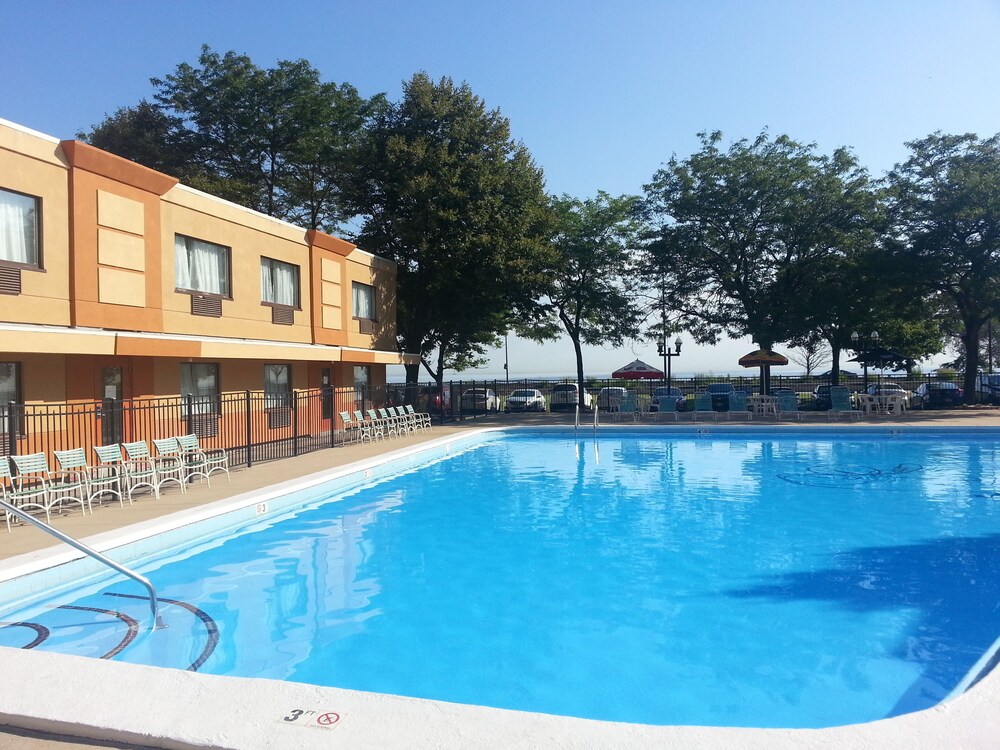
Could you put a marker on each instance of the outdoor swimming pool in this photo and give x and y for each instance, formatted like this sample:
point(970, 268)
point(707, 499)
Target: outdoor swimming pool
point(728, 579)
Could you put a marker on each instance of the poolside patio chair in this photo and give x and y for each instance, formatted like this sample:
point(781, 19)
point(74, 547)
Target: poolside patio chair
point(22, 496)
point(667, 405)
point(98, 480)
point(165, 468)
point(372, 430)
point(628, 408)
point(738, 406)
point(403, 423)
point(60, 487)
point(134, 474)
point(867, 404)
point(840, 403)
point(381, 419)
point(703, 405)
point(422, 418)
point(788, 404)
point(215, 459)
point(192, 464)
point(351, 429)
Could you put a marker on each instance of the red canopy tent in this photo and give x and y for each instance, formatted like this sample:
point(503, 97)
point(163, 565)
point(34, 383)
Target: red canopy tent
point(638, 370)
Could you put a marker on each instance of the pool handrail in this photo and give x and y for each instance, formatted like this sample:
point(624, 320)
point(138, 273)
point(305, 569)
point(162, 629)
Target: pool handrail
point(153, 602)
point(596, 420)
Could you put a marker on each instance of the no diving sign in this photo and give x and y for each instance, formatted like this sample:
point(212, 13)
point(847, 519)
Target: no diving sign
point(307, 718)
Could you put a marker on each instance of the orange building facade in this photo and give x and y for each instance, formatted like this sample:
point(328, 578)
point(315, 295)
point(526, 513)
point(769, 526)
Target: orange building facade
point(117, 282)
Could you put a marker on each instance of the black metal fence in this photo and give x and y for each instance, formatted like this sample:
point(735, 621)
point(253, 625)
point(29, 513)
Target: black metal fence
point(256, 426)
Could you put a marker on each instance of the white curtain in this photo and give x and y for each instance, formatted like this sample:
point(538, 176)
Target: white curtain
point(18, 228)
point(364, 301)
point(279, 282)
point(201, 266)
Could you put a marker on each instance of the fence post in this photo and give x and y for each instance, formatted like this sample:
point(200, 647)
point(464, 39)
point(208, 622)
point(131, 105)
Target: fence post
point(295, 423)
point(12, 419)
point(328, 393)
point(189, 400)
point(249, 427)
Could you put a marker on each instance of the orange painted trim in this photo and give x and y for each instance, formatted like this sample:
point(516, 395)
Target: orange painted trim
point(84, 156)
point(143, 347)
point(329, 242)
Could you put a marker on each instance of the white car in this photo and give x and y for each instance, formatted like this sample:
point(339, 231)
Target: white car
point(566, 396)
point(526, 399)
point(480, 400)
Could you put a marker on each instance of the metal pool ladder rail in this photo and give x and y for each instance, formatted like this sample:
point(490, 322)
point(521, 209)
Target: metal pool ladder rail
point(153, 603)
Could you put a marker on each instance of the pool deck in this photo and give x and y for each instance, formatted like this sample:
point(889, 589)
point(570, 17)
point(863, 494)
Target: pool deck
point(88, 703)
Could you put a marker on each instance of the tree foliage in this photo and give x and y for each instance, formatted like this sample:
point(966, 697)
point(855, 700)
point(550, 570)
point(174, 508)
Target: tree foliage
point(738, 235)
point(277, 140)
point(946, 212)
point(588, 295)
point(444, 190)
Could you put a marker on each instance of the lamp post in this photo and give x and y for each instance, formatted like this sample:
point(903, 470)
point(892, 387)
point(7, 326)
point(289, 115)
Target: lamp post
point(668, 354)
point(864, 342)
point(506, 365)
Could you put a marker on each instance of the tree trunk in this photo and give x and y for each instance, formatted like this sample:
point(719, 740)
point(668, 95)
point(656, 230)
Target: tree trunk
point(578, 350)
point(834, 364)
point(412, 373)
point(970, 340)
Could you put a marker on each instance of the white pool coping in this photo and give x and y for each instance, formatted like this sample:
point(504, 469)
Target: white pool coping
point(113, 701)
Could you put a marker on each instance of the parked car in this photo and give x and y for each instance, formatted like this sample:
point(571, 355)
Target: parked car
point(480, 400)
point(662, 394)
point(566, 396)
point(889, 389)
point(821, 400)
point(432, 399)
point(937, 395)
point(720, 395)
point(526, 399)
point(988, 388)
point(611, 397)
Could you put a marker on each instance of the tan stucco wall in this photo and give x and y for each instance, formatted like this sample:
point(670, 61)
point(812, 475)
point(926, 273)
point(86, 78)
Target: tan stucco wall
point(249, 237)
point(34, 165)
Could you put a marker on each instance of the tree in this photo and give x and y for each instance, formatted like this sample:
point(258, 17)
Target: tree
point(740, 233)
point(443, 190)
point(594, 242)
point(148, 135)
point(811, 357)
point(946, 212)
point(276, 140)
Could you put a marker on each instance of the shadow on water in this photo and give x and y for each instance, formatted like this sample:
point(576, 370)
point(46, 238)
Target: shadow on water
point(953, 583)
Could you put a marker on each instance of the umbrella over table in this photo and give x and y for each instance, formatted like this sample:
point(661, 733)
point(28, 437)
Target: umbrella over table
point(765, 359)
point(638, 370)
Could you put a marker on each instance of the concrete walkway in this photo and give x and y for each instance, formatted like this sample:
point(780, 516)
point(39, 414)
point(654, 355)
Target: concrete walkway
point(111, 516)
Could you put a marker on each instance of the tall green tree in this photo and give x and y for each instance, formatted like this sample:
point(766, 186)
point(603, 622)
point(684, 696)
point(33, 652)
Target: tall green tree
point(946, 212)
point(589, 291)
point(443, 189)
point(277, 140)
point(739, 233)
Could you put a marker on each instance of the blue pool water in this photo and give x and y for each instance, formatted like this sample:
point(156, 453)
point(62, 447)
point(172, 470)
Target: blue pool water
point(745, 580)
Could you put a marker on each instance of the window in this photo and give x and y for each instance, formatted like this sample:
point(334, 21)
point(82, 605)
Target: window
point(362, 377)
point(363, 296)
point(279, 283)
point(201, 266)
point(19, 229)
point(200, 380)
point(277, 386)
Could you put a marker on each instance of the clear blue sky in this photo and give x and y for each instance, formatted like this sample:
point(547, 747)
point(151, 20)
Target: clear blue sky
point(601, 93)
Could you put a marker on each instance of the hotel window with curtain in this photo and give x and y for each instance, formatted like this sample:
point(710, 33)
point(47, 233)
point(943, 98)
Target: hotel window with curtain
point(20, 245)
point(201, 267)
point(200, 381)
point(279, 289)
point(363, 305)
